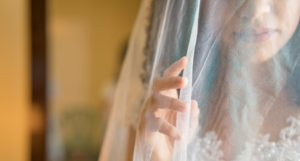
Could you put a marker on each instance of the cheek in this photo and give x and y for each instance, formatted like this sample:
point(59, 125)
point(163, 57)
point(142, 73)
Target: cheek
point(288, 15)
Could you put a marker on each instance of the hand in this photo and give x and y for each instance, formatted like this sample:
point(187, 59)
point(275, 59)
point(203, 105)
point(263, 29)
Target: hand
point(158, 117)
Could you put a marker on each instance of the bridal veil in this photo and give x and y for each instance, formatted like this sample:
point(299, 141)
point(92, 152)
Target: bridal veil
point(242, 73)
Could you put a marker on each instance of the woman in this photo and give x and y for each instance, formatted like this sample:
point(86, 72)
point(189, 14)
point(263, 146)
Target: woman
point(241, 70)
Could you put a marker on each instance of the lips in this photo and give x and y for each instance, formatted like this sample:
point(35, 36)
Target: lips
point(255, 35)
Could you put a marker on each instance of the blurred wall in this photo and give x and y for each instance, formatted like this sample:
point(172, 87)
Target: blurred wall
point(86, 42)
point(87, 36)
point(14, 80)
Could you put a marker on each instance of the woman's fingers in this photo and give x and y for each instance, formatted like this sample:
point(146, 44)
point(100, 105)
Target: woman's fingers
point(171, 131)
point(194, 114)
point(160, 101)
point(176, 68)
point(160, 124)
point(168, 83)
point(168, 129)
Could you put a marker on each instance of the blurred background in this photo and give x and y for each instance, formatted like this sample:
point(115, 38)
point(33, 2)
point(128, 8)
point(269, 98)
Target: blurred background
point(59, 63)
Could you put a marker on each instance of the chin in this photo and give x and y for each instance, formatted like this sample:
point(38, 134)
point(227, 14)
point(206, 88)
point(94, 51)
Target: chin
point(255, 52)
point(263, 53)
point(261, 58)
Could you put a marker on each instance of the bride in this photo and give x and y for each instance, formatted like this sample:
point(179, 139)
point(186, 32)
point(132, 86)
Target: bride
point(240, 69)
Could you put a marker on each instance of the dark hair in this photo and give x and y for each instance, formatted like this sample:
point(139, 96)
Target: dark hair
point(290, 54)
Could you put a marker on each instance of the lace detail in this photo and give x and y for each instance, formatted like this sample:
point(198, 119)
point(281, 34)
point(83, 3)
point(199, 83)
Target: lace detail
point(260, 148)
point(209, 149)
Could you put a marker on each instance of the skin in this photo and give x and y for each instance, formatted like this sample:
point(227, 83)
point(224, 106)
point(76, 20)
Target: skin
point(281, 16)
point(160, 112)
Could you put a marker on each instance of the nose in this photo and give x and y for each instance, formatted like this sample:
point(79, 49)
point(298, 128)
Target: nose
point(254, 10)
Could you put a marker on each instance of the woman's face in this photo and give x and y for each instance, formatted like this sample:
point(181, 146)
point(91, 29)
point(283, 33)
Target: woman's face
point(253, 29)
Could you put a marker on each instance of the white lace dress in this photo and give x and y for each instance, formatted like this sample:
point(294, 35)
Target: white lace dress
point(287, 148)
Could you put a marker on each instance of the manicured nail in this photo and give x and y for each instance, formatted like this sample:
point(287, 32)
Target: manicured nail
point(184, 104)
point(187, 105)
point(180, 137)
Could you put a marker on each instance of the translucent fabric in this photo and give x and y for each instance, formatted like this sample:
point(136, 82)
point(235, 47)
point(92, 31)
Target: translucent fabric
point(209, 80)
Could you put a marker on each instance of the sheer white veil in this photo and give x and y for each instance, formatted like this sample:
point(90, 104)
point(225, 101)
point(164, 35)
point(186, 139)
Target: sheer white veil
point(130, 91)
point(243, 72)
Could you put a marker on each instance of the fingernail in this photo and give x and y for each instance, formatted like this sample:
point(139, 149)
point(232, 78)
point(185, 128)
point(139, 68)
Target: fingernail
point(187, 105)
point(179, 136)
point(184, 80)
point(184, 104)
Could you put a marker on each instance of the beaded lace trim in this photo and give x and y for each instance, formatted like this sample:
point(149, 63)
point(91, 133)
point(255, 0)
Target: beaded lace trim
point(287, 148)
